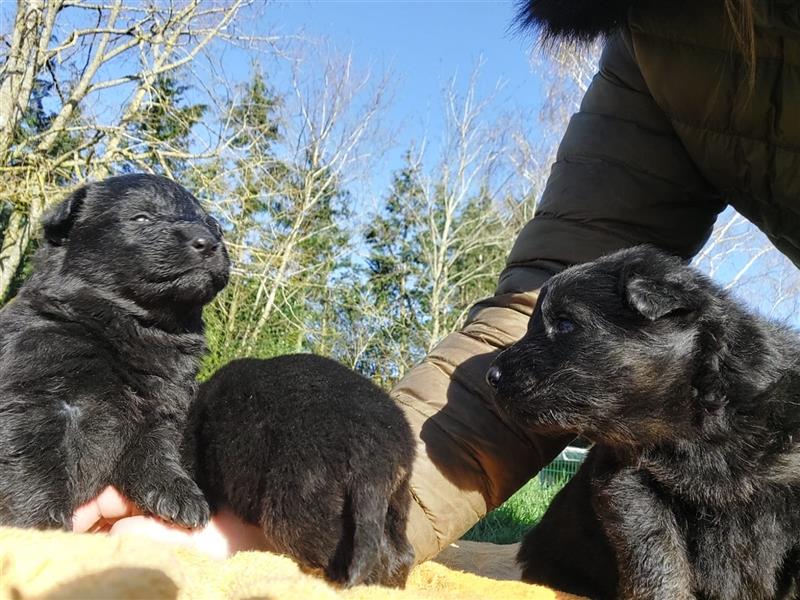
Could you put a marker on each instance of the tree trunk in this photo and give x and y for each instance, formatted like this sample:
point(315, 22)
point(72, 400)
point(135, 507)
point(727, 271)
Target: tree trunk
point(15, 241)
point(19, 72)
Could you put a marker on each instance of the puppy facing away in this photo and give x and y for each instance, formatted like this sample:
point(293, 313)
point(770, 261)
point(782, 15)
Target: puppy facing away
point(99, 353)
point(693, 487)
point(315, 454)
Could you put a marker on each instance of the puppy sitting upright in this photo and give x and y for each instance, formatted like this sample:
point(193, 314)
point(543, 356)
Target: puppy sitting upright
point(694, 406)
point(99, 352)
point(316, 455)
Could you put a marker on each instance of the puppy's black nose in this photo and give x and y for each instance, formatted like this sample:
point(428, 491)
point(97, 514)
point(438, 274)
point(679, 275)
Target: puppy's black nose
point(493, 376)
point(205, 245)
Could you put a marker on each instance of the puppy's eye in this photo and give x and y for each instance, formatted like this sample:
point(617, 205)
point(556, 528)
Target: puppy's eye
point(563, 325)
point(142, 218)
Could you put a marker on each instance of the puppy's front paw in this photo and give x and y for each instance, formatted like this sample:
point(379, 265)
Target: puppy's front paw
point(178, 501)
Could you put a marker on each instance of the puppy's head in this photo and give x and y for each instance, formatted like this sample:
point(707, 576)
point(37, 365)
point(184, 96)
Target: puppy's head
point(143, 236)
point(621, 350)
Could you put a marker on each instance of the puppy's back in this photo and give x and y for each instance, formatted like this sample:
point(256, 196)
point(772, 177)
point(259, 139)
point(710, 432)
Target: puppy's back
point(299, 407)
point(314, 453)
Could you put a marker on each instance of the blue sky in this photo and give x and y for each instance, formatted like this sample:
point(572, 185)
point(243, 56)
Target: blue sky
point(423, 44)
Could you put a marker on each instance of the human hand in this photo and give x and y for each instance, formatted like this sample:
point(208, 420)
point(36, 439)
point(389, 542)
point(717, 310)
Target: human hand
point(100, 514)
point(113, 513)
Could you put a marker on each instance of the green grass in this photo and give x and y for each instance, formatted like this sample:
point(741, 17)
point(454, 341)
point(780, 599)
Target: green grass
point(508, 522)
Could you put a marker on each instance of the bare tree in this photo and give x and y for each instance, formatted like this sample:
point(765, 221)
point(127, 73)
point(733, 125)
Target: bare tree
point(326, 148)
point(288, 185)
point(440, 236)
point(466, 176)
point(744, 261)
point(88, 52)
point(567, 71)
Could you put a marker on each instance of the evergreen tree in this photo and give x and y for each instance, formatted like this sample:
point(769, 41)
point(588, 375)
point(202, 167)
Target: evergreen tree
point(396, 277)
point(430, 259)
point(285, 236)
point(249, 176)
point(163, 126)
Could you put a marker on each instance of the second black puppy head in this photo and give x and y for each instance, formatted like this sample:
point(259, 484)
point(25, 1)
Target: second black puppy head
point(143, 235)
point(626, 349)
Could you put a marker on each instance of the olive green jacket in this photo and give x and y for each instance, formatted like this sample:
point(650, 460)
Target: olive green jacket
point(667, 134)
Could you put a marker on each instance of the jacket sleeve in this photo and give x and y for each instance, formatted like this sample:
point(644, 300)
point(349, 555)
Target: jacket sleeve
point(621, 178)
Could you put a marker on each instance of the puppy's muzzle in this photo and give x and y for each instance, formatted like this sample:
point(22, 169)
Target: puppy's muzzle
point(200, 239)
point(204, 245)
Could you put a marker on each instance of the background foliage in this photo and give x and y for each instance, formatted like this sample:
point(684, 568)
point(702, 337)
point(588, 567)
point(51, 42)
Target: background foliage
point(322, 263)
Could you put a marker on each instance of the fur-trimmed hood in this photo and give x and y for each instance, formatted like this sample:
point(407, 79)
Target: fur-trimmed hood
point(573, 20)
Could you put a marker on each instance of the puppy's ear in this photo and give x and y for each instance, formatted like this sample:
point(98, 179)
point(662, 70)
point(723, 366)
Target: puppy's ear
point(57, 223)
point(657, 298)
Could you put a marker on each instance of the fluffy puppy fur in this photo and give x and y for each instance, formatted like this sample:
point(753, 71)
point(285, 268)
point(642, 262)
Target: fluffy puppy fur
point(693, 487)
point(315, 454)
point(99, 353)
point(580, 21)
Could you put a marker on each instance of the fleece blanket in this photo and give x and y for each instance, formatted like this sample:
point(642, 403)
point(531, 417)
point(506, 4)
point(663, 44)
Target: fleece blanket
point(61, 566)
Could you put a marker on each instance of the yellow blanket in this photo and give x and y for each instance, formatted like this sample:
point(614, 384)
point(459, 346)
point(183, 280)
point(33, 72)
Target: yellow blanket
point(60, 566)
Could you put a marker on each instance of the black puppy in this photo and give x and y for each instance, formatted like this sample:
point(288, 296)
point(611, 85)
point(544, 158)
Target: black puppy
point(315, 454)
point(99, 353)
point(693, 487)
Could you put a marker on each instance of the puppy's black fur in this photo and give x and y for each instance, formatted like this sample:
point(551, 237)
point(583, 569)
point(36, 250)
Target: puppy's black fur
point(580, 21)
point(99, 352)
point(315, 454)
point(693, 487)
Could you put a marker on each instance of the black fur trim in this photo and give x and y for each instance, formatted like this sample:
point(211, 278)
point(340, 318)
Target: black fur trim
point(579, 21)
